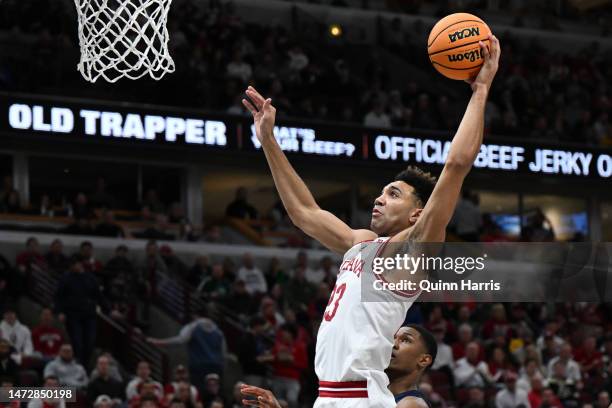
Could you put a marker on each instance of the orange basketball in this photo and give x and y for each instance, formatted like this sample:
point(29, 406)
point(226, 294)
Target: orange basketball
point(453, 45)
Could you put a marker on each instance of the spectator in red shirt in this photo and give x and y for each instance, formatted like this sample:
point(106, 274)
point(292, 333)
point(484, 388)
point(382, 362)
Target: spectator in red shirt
point(541, 396)
point(499, 364)
point(497, 325)
point(290, 358)
point(31, 258)
point(466, 336)
point(589, 358)
point(46, 338)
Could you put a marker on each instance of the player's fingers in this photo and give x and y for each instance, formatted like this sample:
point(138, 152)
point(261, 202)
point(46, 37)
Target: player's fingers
point(267, 104)
point(250, 107)
point(255, 391)
point(257, 98)
point(250, 403)
point(484, 50)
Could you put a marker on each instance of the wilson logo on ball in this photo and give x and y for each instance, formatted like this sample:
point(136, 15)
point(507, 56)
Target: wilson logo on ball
point(466, 56)
point(465, 33)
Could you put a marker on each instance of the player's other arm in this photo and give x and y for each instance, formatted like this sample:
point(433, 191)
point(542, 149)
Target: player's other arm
point(432, 222)
point(297, 199)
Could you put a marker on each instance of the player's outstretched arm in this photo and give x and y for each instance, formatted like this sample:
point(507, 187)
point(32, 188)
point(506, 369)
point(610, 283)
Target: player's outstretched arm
point(297, 199)
point(432, 222)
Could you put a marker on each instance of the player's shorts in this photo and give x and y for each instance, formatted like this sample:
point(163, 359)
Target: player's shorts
point(350, 394)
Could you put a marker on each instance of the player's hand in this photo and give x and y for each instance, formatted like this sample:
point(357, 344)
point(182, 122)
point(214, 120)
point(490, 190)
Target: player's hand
point(264, 398)
point(264, 114)
point(489, 67)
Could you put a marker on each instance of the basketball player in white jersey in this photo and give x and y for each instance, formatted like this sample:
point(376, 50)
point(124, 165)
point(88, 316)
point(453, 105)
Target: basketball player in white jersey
point(354, 341)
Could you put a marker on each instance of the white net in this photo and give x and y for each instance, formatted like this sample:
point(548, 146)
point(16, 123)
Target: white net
point(123, 38)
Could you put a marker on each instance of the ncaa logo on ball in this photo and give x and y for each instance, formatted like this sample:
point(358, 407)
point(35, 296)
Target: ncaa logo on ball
point(465, 33)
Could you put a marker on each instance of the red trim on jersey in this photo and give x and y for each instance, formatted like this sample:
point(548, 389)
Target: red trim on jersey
point(343, 384)
point(344, 394)
point(402, 293)
point(361, 242)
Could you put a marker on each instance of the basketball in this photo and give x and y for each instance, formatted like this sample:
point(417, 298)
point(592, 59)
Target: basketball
point(453, 45)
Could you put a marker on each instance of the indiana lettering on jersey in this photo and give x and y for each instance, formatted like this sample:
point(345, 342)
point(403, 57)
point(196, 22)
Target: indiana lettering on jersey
point(354, 265)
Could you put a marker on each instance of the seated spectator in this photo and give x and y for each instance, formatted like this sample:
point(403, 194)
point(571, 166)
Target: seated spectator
point(327, 270)
point(113, 368)
point(254, 353)
point(120, 279)
point(275, 274)
point(147, 395)
point(212, 389)
point(7, 191)
point(216, 286)
point(511, 396)
point(270, 314)
point(588, 357)
point(240, 207)
point(252, 276)
point(181, 375)
point(176, 214)
point(499, 364)
point(104, 383)
point(438, 321)
point(541, 397)
point(528, 372)
point(200, 270)
point(603, 400)
point(143, 375)
point(176, 268)
point(13, 203)
point(571, 369)
point(183, 394)
point(46, 337)
point(31, 258)
point(470, 371)
point(8, 367)
point(497, 324)
point(79, 226)
point(476, 398)
point(50, 382)
point(562, 383)
point(158, 231)
point(108, 227)
point(444, 358)
point(238, 68)
point(68, 372)
point(81, 208)
point(465, 336)
point(153, 203)
point(17, 334)
point(239, 300)
point(313, 276)
point(104, 401)
point(101, 198)
point(376, 117)
point(55, 258)
point(290, 359)
point(299, 290)
point(87, 258)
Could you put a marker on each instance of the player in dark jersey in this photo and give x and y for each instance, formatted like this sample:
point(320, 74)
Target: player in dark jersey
point(414, 351)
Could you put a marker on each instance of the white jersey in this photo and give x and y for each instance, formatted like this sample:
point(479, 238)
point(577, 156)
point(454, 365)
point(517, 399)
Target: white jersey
point(355, 339)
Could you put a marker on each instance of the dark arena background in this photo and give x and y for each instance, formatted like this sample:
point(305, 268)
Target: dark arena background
point(159, 192)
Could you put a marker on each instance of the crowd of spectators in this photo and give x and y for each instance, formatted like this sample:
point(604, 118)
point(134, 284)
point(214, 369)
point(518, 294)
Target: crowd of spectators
point(538, 93)
point(502, 355)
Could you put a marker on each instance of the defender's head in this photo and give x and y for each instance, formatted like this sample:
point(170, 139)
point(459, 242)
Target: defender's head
point(399, 205)
point(414, 350)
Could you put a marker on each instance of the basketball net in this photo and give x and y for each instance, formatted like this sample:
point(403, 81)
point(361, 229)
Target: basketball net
point(123, 38)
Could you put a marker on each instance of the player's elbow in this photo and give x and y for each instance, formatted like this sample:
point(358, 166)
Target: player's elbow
point(459, 164)
point(299, 216)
